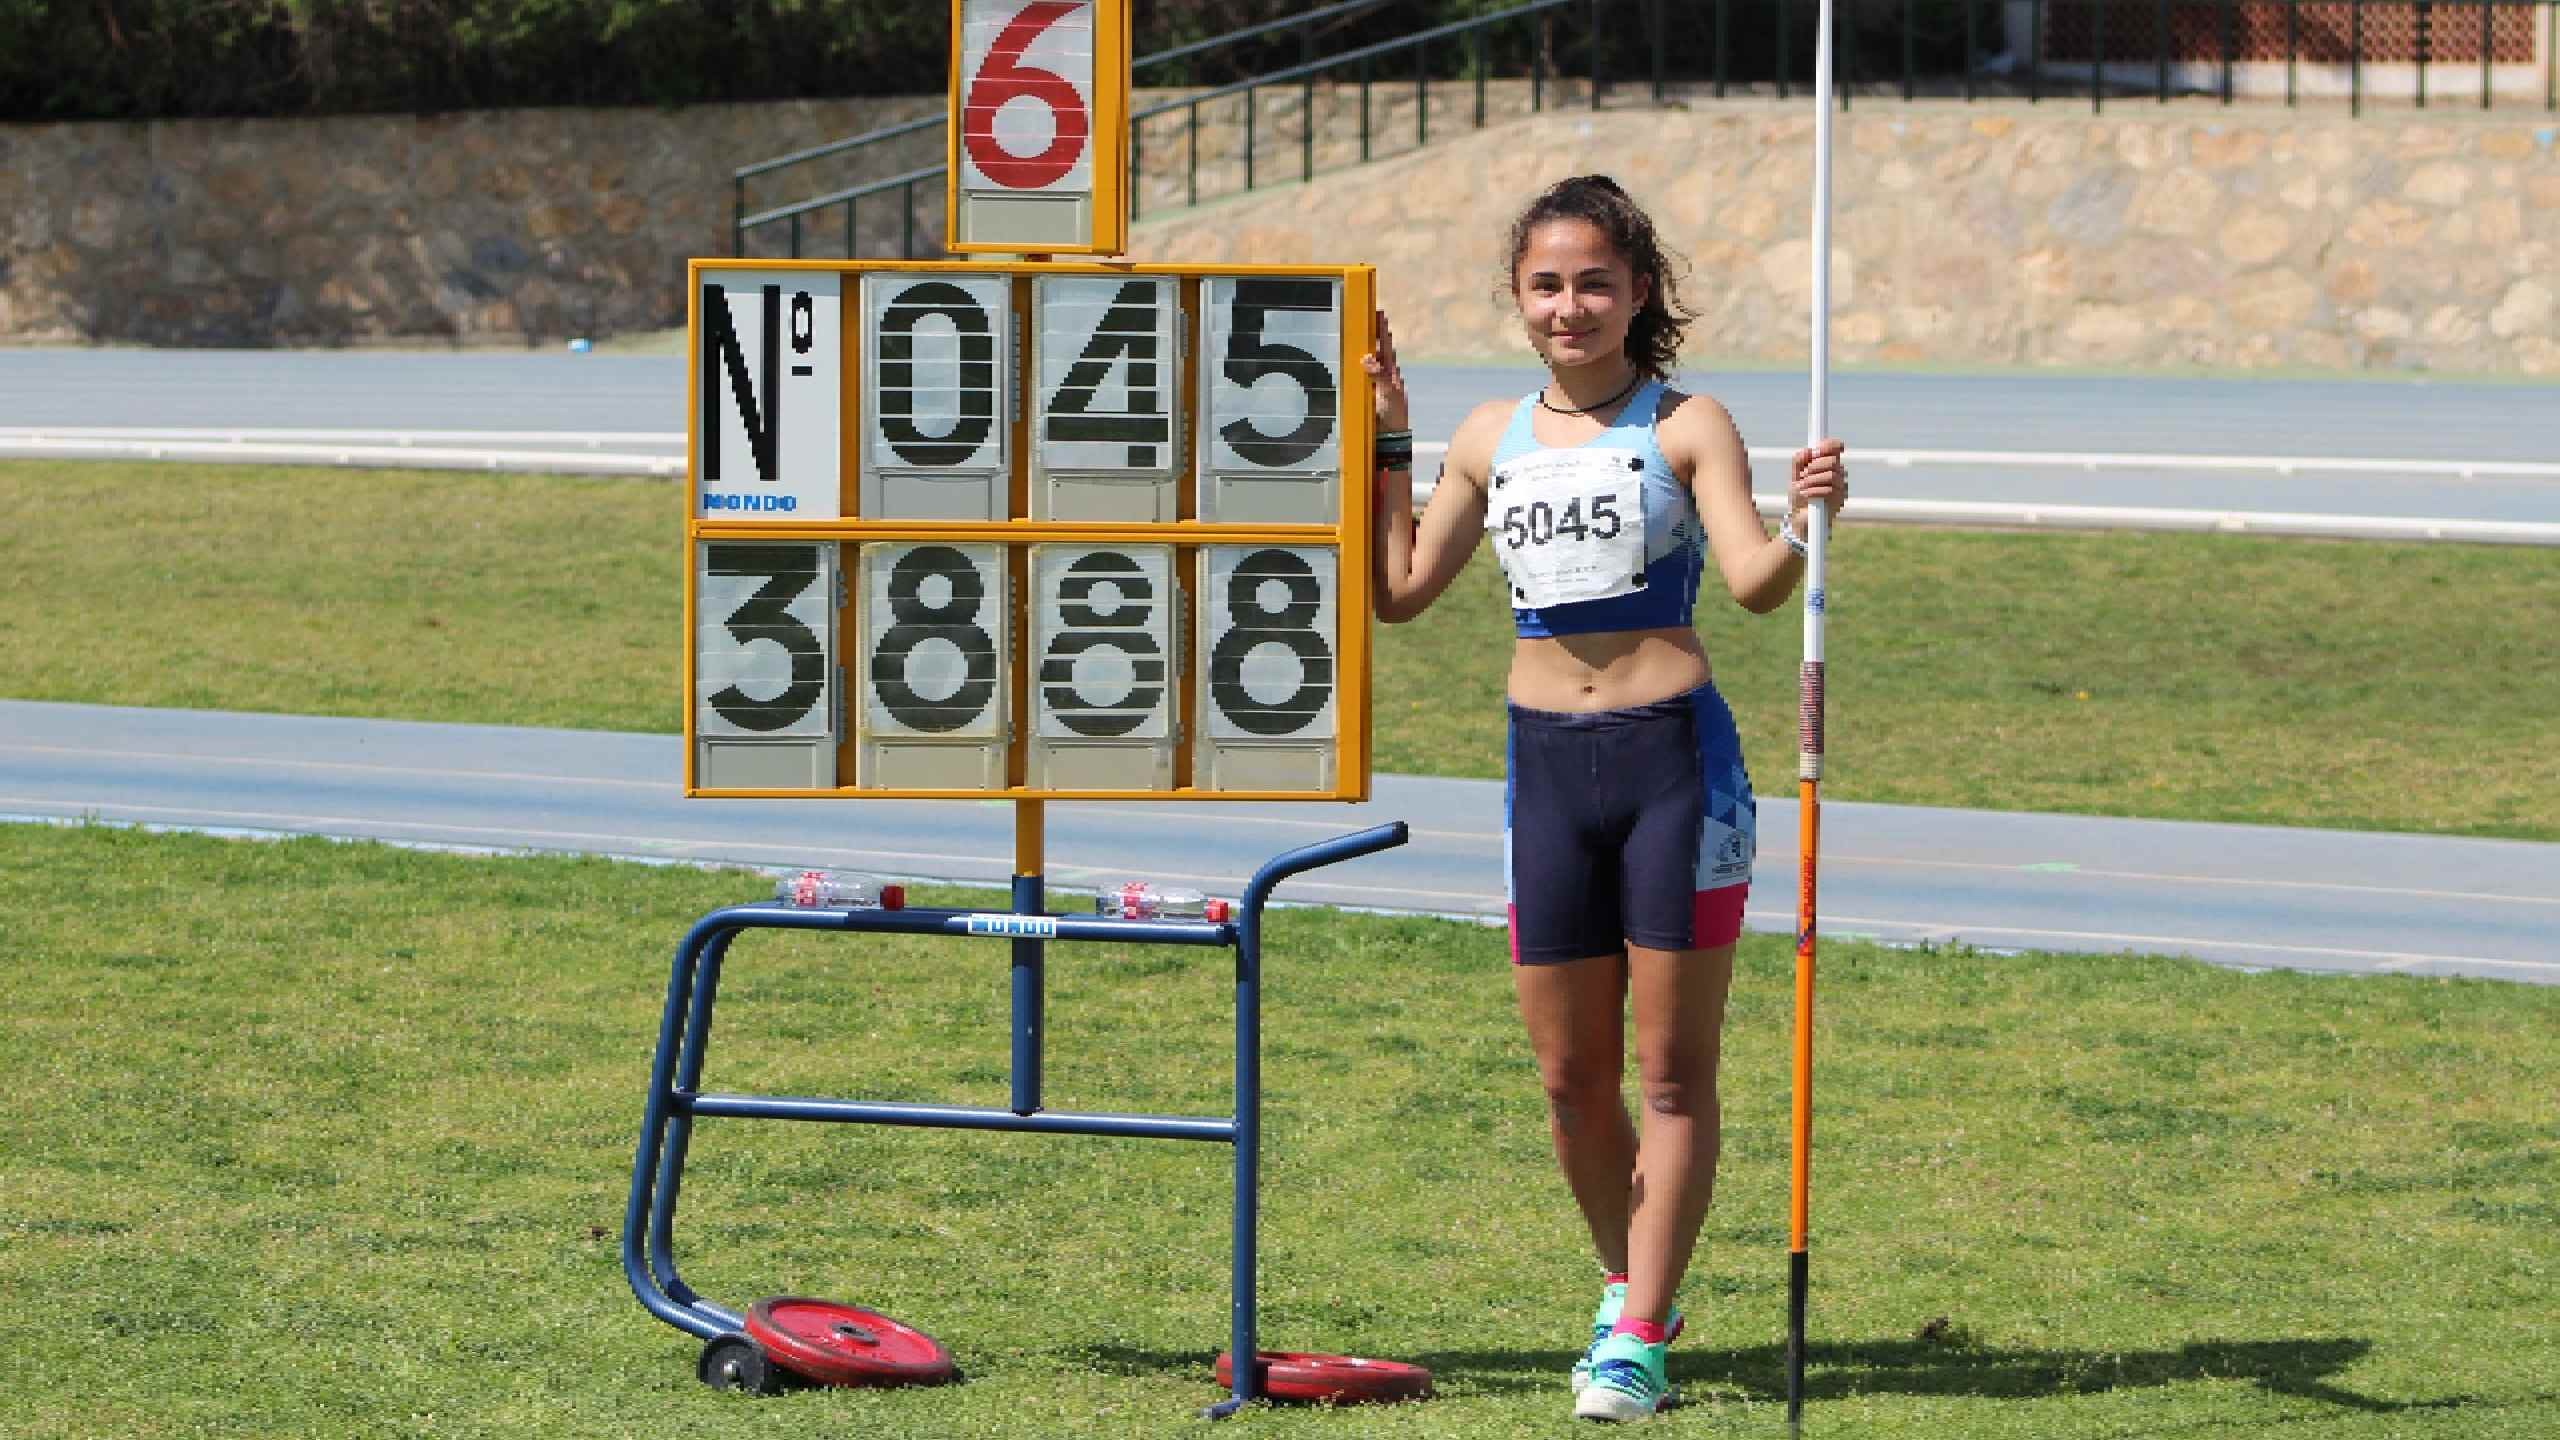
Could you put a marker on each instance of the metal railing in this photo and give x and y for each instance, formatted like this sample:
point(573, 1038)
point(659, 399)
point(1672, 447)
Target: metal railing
point(797, 220)
point(744, 223)
point(1365, 61)
point(2032, 50)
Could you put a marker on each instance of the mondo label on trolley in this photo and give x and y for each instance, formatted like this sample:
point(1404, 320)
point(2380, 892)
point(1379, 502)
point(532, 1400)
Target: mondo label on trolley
point(1018, 530)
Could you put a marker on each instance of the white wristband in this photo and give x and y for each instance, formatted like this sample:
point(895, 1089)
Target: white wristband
point(1795, 542)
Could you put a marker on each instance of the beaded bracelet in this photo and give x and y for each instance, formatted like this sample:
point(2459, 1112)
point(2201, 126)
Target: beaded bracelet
point(1393, 449)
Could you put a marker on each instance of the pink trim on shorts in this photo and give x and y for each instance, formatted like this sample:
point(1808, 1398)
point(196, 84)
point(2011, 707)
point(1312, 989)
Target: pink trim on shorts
point(1715, 916)
point(1511, 918)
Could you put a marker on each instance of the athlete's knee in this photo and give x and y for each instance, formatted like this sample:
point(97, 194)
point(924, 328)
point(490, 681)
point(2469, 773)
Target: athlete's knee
point(1678, 1083)
point(1579, 1087)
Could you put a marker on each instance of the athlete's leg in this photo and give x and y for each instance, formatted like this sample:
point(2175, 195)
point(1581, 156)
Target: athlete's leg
point(1575, 1013)
point(1679, 1019)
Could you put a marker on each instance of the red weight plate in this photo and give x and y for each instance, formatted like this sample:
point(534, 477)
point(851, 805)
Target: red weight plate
point(837, 1344)
point(1341, 1379)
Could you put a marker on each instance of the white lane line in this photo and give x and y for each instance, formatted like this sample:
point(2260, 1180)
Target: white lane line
point(2120, 460)
point(1779, 921)
point(1275, 822)
point(366, 456)
point(592, 439)
point(48, 809)
point(1905, 458)
point(182, 758)
point(1896, 457)
point(2385, 959)
point(2236, 880)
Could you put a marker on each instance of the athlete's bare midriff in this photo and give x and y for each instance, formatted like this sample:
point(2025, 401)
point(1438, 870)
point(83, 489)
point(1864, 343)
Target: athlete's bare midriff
point(1609, 670)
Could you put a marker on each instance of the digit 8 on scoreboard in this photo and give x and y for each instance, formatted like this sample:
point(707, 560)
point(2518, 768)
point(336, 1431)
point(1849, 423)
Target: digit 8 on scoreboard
point(1094, 536)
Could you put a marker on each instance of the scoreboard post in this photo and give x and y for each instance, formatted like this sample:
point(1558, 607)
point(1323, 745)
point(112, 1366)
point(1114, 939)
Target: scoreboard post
point(1030, 524)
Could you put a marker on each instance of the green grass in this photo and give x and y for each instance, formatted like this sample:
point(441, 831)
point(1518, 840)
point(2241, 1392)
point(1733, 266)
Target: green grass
point(2346, 685)
point(330, 1140)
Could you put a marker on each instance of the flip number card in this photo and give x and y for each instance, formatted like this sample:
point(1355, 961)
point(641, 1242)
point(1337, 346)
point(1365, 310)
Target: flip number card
point(937, 384)
point(764, 663)
point(1270, 399)
point(769, 382)
point(1106, 365)
point(935, 646)
point(1106, 631)
point(1039, 130)
point(1268, 634)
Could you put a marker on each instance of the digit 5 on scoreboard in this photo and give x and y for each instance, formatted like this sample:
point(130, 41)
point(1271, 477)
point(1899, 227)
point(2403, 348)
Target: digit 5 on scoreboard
point(1038, 139)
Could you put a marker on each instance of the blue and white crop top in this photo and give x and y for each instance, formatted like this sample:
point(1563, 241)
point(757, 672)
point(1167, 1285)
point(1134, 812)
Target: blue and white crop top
point(1597, 536)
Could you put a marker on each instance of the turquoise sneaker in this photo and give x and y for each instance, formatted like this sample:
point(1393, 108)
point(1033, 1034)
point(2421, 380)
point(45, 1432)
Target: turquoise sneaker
point(1613, 1302)
point(1626, 1382)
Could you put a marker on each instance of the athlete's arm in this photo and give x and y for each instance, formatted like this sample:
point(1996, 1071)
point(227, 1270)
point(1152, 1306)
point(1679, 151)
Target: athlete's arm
point(1760, 569)
point(1416, 560)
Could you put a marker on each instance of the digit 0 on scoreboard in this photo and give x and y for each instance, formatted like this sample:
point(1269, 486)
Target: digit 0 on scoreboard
point(937, 375)
point(1039, 133)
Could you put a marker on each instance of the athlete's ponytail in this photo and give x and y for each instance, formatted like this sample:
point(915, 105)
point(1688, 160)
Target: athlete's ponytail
point(1653, 336)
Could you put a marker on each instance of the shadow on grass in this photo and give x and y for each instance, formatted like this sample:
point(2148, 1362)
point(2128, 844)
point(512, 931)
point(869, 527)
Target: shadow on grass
point(2300, 1368)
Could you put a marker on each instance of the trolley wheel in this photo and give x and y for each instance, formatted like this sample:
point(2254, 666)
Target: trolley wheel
point(1331, 1379)
point(836, 1344)
point(734, 1362)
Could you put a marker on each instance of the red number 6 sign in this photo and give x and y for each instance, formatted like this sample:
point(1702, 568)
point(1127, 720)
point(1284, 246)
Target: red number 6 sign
point(1001, 77)
point(1039, 149)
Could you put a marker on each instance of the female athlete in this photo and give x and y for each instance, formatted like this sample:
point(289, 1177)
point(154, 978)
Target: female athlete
point(1629, 817)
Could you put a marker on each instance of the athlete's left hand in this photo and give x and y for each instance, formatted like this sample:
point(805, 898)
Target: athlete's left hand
point(1820, 474)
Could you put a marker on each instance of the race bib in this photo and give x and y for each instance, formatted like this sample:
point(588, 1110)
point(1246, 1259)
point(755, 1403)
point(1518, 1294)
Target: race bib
point(1568, 525)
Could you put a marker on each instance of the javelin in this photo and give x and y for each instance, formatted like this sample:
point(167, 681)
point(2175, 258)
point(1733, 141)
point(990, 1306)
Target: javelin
point(1809, 731)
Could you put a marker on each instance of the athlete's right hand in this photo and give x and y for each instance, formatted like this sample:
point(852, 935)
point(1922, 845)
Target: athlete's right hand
point(1386, 380)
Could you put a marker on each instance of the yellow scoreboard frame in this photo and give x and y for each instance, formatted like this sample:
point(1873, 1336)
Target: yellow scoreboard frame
point(1059, 72)
point(927, 530)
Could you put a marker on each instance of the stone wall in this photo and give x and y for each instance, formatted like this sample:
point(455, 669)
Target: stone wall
point(1992, 233)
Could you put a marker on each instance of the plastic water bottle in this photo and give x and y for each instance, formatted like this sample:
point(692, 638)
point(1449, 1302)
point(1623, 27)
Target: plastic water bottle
point(838, 890)
point(1143, 900)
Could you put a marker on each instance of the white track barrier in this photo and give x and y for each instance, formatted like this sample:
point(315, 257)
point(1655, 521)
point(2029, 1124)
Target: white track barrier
point(628, 453)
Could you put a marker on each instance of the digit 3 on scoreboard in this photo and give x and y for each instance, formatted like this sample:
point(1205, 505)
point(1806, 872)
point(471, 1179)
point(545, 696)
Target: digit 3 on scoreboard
point(936, 704)
point(1105, 628)
point(1268, 669)
point(1038, 154)
point(765, 681)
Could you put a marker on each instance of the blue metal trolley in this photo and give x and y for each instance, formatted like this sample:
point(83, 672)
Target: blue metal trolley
point(730, 1356)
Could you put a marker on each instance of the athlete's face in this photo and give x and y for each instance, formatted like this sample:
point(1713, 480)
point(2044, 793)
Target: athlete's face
point(1576, 293)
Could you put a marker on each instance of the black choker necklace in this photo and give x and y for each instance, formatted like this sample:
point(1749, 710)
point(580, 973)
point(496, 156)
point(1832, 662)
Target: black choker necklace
point(1632, 382)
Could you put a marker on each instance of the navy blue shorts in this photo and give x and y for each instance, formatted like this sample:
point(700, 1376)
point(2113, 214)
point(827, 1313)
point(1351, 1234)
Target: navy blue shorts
point(1626, 826)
